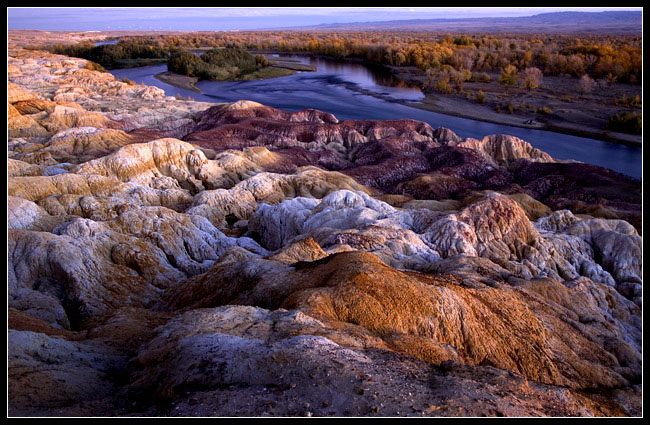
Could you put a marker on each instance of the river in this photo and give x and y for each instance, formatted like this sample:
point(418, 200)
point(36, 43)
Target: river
point(344, 89)
point(101, 43)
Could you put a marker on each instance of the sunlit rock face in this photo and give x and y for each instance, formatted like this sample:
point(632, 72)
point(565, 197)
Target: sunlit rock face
point(236, 259)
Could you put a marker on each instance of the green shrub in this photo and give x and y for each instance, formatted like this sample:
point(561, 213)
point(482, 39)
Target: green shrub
point(231, 57)
point(110, 55)
point(629, 102)
point(480, 96)
point(186, 63)
point(544, 110)
point(626, 122)
point(262, 61)
point(215, 64)
point(443, 86)
point(187, 99)
point(480, 77)
point(463, 41)
point(93, 66)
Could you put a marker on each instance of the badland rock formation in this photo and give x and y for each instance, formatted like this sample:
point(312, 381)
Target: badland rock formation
point(171, 257)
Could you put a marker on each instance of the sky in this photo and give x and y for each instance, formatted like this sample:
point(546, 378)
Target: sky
point(228, 19)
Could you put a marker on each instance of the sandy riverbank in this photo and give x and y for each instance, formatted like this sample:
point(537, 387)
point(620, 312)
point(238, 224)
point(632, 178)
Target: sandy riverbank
point(178, 80)
point(466, 109)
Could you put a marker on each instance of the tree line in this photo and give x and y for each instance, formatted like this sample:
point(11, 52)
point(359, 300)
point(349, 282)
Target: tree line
point(615, 58)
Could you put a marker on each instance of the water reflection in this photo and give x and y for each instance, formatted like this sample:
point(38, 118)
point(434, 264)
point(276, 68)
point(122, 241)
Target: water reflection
point(101, 43)
point(367, 76)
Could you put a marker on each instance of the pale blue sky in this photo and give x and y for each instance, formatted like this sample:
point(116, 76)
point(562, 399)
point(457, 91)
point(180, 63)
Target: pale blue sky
point(223, 19)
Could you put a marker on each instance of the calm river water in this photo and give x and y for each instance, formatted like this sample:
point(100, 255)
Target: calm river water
point(339, 88)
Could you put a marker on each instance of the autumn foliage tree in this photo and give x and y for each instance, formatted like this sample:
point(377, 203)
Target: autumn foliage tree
point(509, 76)
point(532, 78)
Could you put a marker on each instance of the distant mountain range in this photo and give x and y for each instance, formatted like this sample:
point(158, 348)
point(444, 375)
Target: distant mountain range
point(627, 22)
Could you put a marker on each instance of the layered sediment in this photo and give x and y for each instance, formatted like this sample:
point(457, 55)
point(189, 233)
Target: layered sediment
point(171, 257)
